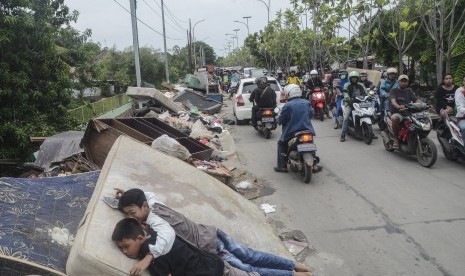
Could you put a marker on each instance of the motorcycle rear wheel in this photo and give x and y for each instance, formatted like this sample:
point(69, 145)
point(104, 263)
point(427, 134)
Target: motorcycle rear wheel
point(430, 153)
point(321, 114)
point(306, 173)
point(367, 131)
point(267, 133)
point(387, 142)
point(446, 149)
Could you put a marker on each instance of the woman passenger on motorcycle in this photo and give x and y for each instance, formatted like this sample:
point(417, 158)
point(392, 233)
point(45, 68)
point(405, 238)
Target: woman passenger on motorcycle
point(351, 89)
point(295, 116)
point(460, 105)
point(365, 81)
point(386, 87)
point(445, 94)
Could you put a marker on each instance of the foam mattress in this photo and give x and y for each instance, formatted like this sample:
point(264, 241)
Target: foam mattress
point(197, 195)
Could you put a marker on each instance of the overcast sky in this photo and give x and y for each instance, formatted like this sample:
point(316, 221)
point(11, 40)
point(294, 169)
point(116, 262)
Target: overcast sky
point(111, 24)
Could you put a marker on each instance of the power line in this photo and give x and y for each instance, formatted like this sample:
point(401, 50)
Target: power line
point(150, 7)
point(145, 24)
point(174, 17)
point(169, 14)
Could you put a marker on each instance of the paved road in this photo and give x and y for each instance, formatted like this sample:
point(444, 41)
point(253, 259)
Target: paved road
point(369, 212)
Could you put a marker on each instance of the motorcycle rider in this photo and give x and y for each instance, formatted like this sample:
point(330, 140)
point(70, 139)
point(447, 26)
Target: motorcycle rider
point(445, 94)
point(293, 79)
point(262, 97)
point(400, 97)
point(386, 86)
point(305, 77)
point(351, 89)
point(365, 81)
point(313, 81)
point(460, 105)
point(295, 116)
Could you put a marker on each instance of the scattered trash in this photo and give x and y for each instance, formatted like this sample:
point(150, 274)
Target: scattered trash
point(171, 147)
point(297, 244)
point(267, 208)
point(216, 169)
point(244, 185)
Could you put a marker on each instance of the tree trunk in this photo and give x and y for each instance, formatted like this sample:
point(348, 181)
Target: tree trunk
point(439, 64)
point(401, 63)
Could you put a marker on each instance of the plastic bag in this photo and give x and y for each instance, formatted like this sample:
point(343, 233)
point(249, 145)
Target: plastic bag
point(199, 131)
point(171, 147)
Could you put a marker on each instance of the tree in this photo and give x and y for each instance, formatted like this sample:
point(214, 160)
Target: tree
point(444, 23)
point(399, 26)
point(34, 74)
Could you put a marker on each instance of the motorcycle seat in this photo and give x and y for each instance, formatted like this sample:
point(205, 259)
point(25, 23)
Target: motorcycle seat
point(303, 132)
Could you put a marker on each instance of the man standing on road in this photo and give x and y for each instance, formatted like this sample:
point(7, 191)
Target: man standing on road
point(262, 97)
point(295, 116)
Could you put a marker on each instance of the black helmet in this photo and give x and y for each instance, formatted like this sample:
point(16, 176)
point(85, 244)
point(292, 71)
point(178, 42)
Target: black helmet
point(261, 81)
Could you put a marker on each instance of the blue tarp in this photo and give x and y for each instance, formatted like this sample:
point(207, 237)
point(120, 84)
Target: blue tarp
point(40, 217)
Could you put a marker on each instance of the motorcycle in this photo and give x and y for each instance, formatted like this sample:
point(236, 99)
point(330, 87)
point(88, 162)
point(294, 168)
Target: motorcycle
point(450, 138)
point(266, 121)
point(413, 135)
point(301, 154)
point(319, 103)
point(361, 119)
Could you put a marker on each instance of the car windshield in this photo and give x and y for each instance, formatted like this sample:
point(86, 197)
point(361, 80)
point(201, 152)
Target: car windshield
point(257, 73)
point(250, 86)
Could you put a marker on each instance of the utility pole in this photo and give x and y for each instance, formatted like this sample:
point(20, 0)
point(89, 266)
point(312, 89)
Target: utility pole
point(164, 42)
point(189, 49)
point(236, 30)
point(189, 41)
point(247, 22)
point(135, 41)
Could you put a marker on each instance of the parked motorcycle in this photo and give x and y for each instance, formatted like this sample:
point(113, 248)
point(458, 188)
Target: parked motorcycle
point(319, 103)
point(301, 154)
point(450, 138)
point(413, 135)
point(362, 116)
point(266, 121)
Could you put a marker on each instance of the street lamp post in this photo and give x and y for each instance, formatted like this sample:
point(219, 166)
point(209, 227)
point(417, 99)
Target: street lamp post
point(237, 21)
point(237, 37)
point(193, 36)
point(232, 36)
point(267, 7)
point(247, 22)
point(316, 3)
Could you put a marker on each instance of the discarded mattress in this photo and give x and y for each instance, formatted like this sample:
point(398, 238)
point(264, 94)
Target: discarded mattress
point(40, 218)
point(102, 133)
point(204, 104)
point(142, 94)
point(59, 147)
point(195, 194)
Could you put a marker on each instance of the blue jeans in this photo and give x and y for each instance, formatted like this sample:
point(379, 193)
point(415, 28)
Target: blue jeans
point(462, 129)
point(385, 103)
point(345, 123)
point(338, 109)
point(250, 260)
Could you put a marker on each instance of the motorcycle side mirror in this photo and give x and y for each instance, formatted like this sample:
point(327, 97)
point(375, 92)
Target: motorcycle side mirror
point(276, 110)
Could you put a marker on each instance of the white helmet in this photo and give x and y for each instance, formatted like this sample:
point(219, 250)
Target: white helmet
point(292, 91)
point(314, 72)
point(392, 70)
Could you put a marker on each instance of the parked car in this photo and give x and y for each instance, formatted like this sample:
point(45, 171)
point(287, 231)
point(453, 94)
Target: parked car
point(242, 107)
point(248, 72)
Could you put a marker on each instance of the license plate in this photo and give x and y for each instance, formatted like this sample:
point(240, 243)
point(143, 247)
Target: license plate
point(306, 147)
point(268, 119)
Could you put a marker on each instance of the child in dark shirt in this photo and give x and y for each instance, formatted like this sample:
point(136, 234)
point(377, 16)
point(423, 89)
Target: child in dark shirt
point(133, 240)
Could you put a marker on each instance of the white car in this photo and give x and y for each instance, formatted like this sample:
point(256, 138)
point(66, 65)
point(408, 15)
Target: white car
point(242, 107)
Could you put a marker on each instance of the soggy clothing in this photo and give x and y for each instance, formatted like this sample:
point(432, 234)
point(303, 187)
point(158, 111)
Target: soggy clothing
point(182, 259)
point(445, 98)
point(402, 97)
